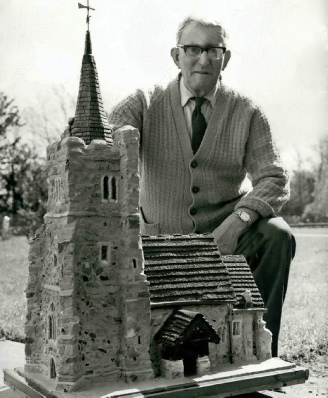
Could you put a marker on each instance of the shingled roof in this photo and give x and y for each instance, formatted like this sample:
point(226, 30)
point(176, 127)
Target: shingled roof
point(242, 279)
point(90, 119)
point(181, 324)
point(184, 269)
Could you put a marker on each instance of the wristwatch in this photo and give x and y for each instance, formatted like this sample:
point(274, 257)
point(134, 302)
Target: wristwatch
point(244, 216)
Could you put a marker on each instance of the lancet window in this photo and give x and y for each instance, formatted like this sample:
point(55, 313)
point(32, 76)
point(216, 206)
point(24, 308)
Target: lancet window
point(109, 189)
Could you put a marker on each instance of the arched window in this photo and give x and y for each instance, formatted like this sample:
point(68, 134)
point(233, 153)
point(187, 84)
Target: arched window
point(105, 252)
point(57, 189)
point(52, 369)
point(109, 189)
point(52, 323)
point(105, 188)
point(50, 326)
point(54, 327)
point(236, 328)
point(113, 186)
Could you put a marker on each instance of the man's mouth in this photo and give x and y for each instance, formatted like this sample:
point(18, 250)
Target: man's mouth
point(201, 72)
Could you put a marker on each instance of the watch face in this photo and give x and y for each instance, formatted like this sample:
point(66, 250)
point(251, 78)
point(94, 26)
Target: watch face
point(244, 216)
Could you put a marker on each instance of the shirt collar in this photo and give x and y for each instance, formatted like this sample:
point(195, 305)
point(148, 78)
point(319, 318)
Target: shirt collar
point(186, 94)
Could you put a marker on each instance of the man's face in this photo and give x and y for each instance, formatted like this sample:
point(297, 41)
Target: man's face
point(200, 75)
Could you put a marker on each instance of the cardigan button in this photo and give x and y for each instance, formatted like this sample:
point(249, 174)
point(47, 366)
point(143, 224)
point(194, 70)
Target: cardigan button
point(195, 189)
point(193, 211)
point(194, 164)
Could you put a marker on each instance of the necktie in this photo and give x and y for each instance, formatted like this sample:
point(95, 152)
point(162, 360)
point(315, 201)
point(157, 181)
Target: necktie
point(198, 124)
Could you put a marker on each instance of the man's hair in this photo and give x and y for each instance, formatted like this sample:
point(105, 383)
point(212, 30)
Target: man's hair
point(209, 23)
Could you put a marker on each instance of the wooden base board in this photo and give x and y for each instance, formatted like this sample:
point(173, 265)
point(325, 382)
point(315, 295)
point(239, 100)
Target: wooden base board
point(233, 380)
point(9, 393)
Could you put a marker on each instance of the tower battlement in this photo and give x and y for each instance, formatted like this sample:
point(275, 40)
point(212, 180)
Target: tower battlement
point(90, 179)
point(89, 312)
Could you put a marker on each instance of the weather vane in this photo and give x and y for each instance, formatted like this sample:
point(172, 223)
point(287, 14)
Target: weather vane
point(88, 8)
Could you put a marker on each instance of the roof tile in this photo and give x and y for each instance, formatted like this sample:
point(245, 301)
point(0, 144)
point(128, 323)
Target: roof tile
point(180, 324)
point(182, 268)
point(242, 279)
point(175, 266)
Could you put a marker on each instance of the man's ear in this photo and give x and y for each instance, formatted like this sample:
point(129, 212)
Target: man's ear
point(227, 56)
point(175, 56)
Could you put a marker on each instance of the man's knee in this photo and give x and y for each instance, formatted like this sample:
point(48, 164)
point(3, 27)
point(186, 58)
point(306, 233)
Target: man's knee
point(277, 231)
point(267, 235)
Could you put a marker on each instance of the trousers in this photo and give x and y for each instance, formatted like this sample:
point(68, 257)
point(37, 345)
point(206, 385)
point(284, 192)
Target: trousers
point(269, 247)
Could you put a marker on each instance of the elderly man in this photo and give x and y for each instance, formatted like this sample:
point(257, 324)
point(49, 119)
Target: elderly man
point(198, 140)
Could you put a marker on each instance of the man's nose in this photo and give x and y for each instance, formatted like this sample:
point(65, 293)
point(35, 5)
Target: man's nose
point(204, 58)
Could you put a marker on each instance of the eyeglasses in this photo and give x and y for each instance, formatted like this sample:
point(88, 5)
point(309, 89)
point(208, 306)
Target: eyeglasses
point(194, 52)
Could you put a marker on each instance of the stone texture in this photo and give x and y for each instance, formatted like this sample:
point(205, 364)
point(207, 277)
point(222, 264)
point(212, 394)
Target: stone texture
point(171, 369)
point(99, 297)
point(203, 366)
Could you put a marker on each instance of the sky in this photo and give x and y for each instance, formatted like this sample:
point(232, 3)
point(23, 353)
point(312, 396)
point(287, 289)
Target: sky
point(279, 55)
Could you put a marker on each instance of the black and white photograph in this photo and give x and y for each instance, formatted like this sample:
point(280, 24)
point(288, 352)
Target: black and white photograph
point(163, 198)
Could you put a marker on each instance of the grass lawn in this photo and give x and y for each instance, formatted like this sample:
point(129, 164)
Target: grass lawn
point(303, 336)
point(14, 273)
point(304, 332)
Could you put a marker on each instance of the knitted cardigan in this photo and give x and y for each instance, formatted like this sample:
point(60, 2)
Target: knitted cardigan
point(183, 193)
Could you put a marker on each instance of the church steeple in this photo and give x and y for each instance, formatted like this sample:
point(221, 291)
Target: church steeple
point(90, 121)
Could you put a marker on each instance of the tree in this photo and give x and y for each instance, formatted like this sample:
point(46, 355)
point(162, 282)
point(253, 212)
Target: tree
point(23, 187)
point(302, 184)
point(34, 191)
point(301, 192)
point(9, 120)
point(318, 210)
point(47, 121)
point(24, 192)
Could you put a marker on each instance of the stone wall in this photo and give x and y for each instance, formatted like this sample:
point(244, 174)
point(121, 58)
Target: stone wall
point(33, 348)
point(249, 339)
point(86, 267)
point(263, 338)
point(135, 360)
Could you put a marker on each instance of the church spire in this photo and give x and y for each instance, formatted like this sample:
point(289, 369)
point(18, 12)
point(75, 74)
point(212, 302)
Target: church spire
point(90, 121)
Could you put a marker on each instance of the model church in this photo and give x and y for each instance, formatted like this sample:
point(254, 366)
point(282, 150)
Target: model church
point(104, 302)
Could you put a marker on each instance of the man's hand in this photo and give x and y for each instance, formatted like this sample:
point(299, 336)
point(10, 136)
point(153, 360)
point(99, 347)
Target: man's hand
point(227, 234)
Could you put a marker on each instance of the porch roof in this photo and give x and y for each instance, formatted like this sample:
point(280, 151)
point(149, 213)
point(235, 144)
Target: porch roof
point(182, 325)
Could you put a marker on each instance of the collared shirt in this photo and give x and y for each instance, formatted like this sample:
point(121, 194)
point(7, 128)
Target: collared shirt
point(188, 104)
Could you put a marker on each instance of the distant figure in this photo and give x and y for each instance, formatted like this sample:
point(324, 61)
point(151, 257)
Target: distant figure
point(5, 228)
